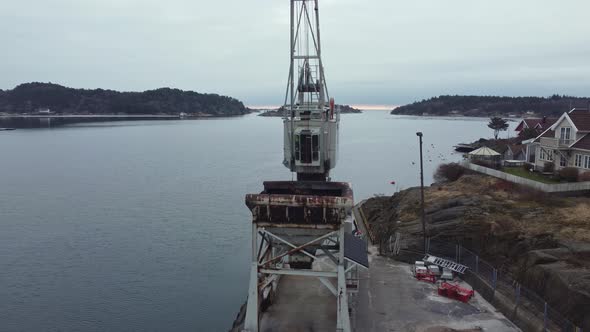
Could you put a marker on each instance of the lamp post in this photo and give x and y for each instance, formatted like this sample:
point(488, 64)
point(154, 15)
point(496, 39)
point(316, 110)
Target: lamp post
point(419, 134)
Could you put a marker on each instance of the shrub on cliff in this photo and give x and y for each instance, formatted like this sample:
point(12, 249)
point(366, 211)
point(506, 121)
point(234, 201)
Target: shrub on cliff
point(569, 174)
point(448, 172)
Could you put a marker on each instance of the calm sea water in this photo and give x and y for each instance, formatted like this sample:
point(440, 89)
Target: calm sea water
point(141, 226)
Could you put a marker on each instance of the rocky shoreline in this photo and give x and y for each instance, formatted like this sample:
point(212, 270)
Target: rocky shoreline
point(542, 241)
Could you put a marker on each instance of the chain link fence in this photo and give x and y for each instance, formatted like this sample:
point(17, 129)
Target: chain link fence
point(523, 306)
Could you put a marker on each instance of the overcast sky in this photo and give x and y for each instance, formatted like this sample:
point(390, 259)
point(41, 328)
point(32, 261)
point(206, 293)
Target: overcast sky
point(375, 51)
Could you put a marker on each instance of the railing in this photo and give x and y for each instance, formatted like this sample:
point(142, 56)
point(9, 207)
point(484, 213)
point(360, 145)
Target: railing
point(494, 281)
point(570, 187)
point(551, 142)
point(565, 142)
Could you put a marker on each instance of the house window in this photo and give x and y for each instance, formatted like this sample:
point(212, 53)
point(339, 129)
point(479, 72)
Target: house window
point(307, 148)
point(578, 160)
point(565, 135)
point(315, 147)
point(297, 148)
point(562, 161)
point(586, 161)
point(545, 154)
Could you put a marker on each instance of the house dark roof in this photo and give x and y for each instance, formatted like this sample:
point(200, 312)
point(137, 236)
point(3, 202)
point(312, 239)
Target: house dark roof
point(581, 119)
point(543, 123)
point(583, 143)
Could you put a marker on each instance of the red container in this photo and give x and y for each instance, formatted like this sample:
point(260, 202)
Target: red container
point(455, 292)
point(428, 277)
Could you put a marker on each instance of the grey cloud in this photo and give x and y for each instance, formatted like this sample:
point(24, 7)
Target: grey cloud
point(375, 51)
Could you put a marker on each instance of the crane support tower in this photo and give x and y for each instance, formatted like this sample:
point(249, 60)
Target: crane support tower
point(301, 230)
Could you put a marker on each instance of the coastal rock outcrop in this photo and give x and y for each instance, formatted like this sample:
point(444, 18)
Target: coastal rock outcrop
point(541, 241)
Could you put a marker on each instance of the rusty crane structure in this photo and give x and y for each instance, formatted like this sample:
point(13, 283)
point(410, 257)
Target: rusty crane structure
point(296, 225)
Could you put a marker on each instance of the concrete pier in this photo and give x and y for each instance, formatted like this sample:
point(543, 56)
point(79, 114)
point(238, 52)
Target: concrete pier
point(391, 299)
point(302, 304)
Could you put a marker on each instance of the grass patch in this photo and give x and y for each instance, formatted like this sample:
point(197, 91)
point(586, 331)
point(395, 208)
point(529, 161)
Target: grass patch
point(519, 171)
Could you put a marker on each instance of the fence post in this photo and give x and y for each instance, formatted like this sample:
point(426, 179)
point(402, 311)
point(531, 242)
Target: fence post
point(494, 278)
point(390, 247)
point(545, 318)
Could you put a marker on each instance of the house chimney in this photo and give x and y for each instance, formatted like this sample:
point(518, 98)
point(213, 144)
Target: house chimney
point(544, 120)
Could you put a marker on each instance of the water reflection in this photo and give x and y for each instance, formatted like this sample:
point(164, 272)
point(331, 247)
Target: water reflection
point(51, 122)
point(27, 122)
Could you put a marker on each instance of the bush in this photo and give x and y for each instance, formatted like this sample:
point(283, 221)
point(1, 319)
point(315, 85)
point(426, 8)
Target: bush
point(448, 172)
point(585, 176)
point(529, 194)
point(569, 174)
point(503, 185)
point(548, 167)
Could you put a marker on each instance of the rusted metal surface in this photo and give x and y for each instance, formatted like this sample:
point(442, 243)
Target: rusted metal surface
point(327, 227)
point(301, 203)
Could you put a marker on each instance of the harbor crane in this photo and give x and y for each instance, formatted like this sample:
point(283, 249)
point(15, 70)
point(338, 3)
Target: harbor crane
point(296, 225)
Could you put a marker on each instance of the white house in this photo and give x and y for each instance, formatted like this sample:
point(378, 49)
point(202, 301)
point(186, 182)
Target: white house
point(566, 143)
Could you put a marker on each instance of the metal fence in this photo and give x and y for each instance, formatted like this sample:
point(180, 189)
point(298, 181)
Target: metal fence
point(496, 281)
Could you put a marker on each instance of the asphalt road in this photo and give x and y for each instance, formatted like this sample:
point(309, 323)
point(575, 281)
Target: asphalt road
point(391, 299)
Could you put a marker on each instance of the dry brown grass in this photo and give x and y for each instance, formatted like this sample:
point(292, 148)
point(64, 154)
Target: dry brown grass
point(436, 195)
point(574, 222)
point(567, 219)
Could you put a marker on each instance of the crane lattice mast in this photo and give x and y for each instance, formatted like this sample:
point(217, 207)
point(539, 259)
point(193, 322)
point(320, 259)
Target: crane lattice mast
point(311, 125)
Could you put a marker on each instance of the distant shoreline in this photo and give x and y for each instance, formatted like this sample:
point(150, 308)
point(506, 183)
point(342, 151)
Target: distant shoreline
point(89, 116)
point(489, 106)
point(48, 99)
point(129, 116)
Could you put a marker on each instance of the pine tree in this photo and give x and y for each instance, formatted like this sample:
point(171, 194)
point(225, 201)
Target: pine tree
point(497, 124)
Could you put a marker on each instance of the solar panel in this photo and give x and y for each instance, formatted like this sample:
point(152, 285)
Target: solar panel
point(355, 249)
